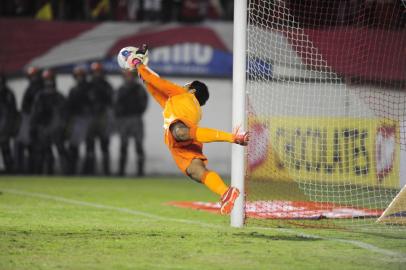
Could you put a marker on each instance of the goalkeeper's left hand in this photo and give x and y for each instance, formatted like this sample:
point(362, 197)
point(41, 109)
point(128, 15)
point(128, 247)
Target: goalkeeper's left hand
point(140, 57)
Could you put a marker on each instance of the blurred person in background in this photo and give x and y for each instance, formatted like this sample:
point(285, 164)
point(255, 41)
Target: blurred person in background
point(79, 112)
point(101, 98)
point(129, 106)
point(151, 10)
point(48, 126)
point(128, 10)
point(120, 10)
point(20, 8)
point(195, 11)
point(24, 154)
point(170, 10)
point(100, 10)
point(8, 123)
point(228, 9)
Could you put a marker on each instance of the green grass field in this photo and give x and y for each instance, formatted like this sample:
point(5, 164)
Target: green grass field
point(108, 223)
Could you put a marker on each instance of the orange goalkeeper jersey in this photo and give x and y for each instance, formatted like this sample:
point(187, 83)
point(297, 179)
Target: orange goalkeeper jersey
point(178, 104)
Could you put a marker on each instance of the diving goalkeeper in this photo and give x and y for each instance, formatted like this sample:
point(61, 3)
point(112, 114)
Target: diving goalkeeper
point(183, 136)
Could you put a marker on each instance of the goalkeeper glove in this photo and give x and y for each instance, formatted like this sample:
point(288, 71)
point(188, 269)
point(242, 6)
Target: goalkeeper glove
point(140, 57)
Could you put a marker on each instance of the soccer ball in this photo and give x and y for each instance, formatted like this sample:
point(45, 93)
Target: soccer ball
point(123, 56)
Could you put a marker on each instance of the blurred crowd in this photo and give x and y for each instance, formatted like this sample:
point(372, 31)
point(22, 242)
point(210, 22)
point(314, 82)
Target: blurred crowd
point(46, 135)
point(372, 13)
point(120, 10)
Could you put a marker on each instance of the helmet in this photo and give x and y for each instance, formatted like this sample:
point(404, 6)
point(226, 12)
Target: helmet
point(32, 70)
point(48, 74)
point(79, 70)
point(96, 66)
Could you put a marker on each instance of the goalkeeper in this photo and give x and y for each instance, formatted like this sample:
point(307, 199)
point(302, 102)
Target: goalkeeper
point(183, 136)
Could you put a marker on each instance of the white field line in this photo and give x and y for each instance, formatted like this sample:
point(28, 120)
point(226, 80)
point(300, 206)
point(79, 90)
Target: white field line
point(401, 257)
point(398, 256)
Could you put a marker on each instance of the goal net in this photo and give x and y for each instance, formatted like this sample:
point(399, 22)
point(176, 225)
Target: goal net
point(326, 102)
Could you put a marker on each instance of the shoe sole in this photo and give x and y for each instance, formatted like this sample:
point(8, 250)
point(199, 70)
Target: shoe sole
point(228, 206)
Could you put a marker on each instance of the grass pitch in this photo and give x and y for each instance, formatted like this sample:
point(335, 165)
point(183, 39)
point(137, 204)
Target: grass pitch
point(107, 223)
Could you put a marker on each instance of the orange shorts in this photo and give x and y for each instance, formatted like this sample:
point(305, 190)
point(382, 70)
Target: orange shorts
point(184, 152)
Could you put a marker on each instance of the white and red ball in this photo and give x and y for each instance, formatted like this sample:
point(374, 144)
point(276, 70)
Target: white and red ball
point(125, 54)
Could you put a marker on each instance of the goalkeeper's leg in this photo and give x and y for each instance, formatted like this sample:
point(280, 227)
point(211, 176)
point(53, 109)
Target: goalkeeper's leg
point(197, 169)
point(198, 172)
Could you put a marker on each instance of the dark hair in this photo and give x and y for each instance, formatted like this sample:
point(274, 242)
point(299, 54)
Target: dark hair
point(202, 92)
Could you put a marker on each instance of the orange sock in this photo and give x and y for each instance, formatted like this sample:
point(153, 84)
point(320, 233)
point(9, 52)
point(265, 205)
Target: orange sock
point(206, 135)
point(214, 182)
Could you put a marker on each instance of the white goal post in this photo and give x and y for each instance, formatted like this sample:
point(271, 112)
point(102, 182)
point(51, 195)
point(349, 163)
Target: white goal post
point(238, 105)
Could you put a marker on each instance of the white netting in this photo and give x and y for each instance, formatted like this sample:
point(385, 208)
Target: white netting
point(327, 112)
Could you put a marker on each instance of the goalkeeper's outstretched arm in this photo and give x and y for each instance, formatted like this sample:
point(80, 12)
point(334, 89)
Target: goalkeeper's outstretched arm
point(166, 87)
point(139, 61)
point(182, 132)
